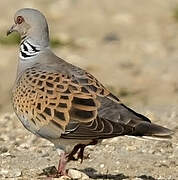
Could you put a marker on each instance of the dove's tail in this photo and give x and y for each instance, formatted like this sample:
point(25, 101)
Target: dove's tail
point(158, 132)
point(155, 132)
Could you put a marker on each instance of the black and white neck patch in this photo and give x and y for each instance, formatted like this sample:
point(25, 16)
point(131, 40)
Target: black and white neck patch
point(28, 50)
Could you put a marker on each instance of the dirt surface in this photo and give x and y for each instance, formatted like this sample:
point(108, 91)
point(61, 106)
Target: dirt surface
point(130, 46)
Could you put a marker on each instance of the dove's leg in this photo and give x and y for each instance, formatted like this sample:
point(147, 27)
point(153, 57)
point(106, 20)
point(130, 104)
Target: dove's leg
point(62, 164)
point(80, 149)
point(73, 152)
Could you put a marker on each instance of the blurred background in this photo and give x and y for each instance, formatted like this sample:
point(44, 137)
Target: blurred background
point(130, 46)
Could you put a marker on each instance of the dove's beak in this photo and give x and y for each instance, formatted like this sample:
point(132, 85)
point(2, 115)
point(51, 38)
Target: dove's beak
point(12, 29)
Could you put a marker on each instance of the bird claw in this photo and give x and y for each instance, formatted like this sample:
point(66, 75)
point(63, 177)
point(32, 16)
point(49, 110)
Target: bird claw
point(81, 155)
point(79, 150)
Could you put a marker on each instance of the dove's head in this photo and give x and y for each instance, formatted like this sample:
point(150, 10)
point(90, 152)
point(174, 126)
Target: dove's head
point(32, 24)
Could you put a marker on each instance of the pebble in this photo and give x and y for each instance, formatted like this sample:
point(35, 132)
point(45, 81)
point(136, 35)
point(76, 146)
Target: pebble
point(101, 165)
point(161, 164)
point(117, 162)
point(110, 37)
point(134, 178)
point(3, 149)
point(10, 174)
point(50, 171)
point(75, 174)
point(7, 154)
point(45, 155)
point(131, 148)
point(3, 172)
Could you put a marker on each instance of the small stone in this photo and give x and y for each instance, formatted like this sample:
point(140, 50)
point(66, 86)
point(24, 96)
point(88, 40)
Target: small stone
point(131, 148)
point(1, 139)
point(107, 145)
point(160, 164)
point(4, 172)
point(114, 140)
point(3, 149)
point(101, 165)
point(10, 174)
point(25, 146)
point(117, 162)
point(63, 178)
point(7, 154)
point(45, 155)
point(50, 171)
point(75, 174)
point(172, 164)
point(15, 173)
point(32, 173)
point(110, 37)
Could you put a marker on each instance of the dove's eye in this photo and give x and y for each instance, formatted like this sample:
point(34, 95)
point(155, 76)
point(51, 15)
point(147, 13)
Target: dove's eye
point(20, 19)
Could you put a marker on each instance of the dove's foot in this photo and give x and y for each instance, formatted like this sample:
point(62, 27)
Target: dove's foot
point(62, 165)
point(79, 148)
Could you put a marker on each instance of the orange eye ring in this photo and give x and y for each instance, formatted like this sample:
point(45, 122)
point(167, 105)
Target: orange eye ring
point(20, 19)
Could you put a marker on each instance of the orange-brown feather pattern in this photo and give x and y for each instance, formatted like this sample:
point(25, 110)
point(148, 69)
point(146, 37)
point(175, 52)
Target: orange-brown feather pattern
point(49, 96)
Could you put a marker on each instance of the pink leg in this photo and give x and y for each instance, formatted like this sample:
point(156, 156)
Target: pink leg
point(62, 165)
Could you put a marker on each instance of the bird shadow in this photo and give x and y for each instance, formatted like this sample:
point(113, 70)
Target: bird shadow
point(92, 173)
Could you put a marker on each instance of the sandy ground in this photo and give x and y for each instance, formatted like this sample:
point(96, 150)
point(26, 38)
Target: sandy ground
point(130, 46)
